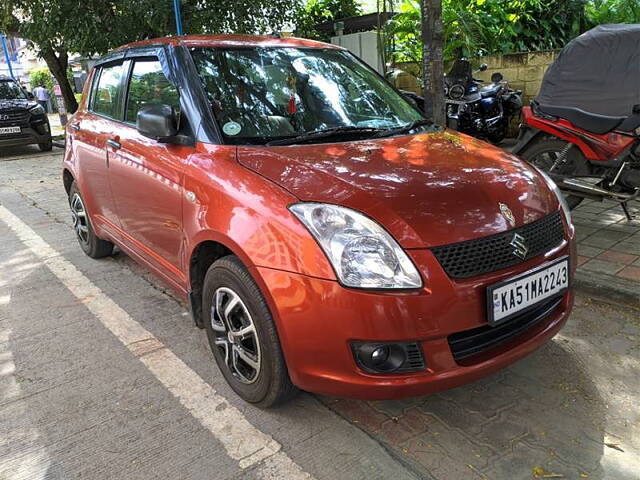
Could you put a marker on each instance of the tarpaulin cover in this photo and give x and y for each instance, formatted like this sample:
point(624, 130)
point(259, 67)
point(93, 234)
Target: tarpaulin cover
point(598, 72)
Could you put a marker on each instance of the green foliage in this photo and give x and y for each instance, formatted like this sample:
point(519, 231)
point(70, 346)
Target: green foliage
point(41, 76)
point(95, 26)
point(612, 11)
point(321, 11)
point(479, 27)
point(87, 27)
point(405, 30)
point(474, 28)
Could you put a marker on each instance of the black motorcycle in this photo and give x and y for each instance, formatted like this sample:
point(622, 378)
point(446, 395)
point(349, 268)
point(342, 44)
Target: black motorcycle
point(481, 111)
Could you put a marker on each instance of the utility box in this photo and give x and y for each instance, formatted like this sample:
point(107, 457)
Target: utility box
point(363, 45)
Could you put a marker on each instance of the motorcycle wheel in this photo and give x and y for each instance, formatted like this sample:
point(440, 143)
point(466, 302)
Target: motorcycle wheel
point(543, 153)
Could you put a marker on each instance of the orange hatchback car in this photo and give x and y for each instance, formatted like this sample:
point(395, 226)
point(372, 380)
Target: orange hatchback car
point(324, 233)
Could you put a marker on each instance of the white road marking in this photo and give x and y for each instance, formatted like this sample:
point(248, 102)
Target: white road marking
point(242, 441)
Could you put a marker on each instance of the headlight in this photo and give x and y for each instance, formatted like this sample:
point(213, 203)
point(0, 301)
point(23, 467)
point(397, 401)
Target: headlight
point(362, 253)
point(563, 203)
point(37, 110)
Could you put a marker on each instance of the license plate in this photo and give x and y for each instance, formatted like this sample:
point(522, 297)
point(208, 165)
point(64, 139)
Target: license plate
point(510, 297)
point(9, 130)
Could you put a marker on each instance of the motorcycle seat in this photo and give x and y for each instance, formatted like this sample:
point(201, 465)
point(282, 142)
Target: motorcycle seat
point(590, 122)
point(630, 124)
point(490, 90)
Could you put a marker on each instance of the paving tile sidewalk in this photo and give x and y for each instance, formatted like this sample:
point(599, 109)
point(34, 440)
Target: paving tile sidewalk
point(608, 248)
point(54, 121)
point(569, 410)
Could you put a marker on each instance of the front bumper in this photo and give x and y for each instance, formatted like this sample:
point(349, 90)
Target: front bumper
point(32, 134)
point(317, 319)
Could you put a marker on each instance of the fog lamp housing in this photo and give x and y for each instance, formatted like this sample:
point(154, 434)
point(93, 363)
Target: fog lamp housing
point(388, 357)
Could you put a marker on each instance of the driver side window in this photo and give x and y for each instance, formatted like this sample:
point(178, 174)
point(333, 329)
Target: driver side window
point(149, 86)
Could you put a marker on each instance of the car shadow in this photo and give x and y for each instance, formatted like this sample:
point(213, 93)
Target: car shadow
point(16, 153)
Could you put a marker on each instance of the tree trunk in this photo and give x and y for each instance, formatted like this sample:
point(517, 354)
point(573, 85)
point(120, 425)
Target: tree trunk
point(432, 65)
point(58, 65)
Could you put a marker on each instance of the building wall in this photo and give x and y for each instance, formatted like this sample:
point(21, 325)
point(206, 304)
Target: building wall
point(23, 59)
point(362, 44)
point(524, 71)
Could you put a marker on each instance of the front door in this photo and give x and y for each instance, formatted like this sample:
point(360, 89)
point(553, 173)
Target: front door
point(90, 132)
point(146, 177)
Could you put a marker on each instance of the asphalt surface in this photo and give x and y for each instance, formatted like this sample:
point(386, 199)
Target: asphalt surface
point(103, 375)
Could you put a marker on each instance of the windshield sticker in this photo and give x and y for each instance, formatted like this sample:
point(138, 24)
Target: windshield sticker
point(231, 128)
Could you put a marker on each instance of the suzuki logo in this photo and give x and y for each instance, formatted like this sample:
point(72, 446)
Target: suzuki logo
point(519, 245)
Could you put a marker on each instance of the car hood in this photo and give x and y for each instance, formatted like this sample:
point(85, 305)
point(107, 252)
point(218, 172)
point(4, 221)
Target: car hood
point(426, 190)
point(16, 104)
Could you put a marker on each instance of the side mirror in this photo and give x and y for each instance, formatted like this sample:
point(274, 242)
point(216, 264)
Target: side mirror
point(483, 67)
point(158, 122)
point(30, 95)
point(496, 77)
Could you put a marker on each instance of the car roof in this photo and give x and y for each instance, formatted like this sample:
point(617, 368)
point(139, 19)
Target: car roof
point(231, 41)
point(4, 78)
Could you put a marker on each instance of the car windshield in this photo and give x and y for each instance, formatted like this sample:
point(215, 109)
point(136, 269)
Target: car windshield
point(9, 90)
point(262, 94)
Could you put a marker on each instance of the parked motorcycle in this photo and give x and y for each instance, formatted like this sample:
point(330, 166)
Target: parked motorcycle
point(481, 111)
point(583, 128)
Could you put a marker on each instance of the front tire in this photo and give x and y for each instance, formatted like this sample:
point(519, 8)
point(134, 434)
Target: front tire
point(93, 246)
point(243, 336)
point(543, 153)
point(46, 146)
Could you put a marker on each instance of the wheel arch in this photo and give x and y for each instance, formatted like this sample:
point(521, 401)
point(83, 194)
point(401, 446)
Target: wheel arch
point(67, 179)
point(206, 249)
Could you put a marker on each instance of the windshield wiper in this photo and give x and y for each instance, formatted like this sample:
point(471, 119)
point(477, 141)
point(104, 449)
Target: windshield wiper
point(318, 134)
point(403, 129)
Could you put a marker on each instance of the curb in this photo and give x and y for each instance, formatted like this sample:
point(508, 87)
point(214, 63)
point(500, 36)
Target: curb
point(609, 287)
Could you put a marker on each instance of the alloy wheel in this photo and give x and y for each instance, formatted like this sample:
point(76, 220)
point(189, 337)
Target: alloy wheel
point(235, 335)
point(79, 218)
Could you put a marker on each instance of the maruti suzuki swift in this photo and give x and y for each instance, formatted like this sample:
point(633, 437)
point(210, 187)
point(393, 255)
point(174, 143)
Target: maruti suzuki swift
point(325, 234)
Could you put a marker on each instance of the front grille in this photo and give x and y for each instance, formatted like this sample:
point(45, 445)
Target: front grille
point(489, 254)
point(471, 342)
point(14, 117)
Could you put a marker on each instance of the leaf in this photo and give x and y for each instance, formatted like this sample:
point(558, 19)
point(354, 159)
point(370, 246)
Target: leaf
point(615, 446)
point(540, 472)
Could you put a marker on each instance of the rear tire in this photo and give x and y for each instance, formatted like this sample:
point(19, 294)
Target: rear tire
point(543, 152)
point(251, 362)
point(93, 246)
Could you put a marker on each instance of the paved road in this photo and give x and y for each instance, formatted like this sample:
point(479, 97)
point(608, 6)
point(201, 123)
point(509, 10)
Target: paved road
point(102, 375)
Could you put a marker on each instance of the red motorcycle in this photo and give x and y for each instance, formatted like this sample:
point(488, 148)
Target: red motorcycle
point(583, 129)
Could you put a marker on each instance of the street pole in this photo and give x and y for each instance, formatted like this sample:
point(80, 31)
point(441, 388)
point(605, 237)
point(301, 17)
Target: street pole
point(6, 54)
point(176, 9)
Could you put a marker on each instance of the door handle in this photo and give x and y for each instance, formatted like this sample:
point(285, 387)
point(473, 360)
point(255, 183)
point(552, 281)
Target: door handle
point(75, 127)
point(114, 144)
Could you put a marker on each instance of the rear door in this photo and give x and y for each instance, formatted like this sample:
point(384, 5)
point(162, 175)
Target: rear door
point(146, 177)
point(91, 130)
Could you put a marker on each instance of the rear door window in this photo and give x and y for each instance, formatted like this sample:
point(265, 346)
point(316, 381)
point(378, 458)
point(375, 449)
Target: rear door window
point(148, 86)
point(106, 100)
